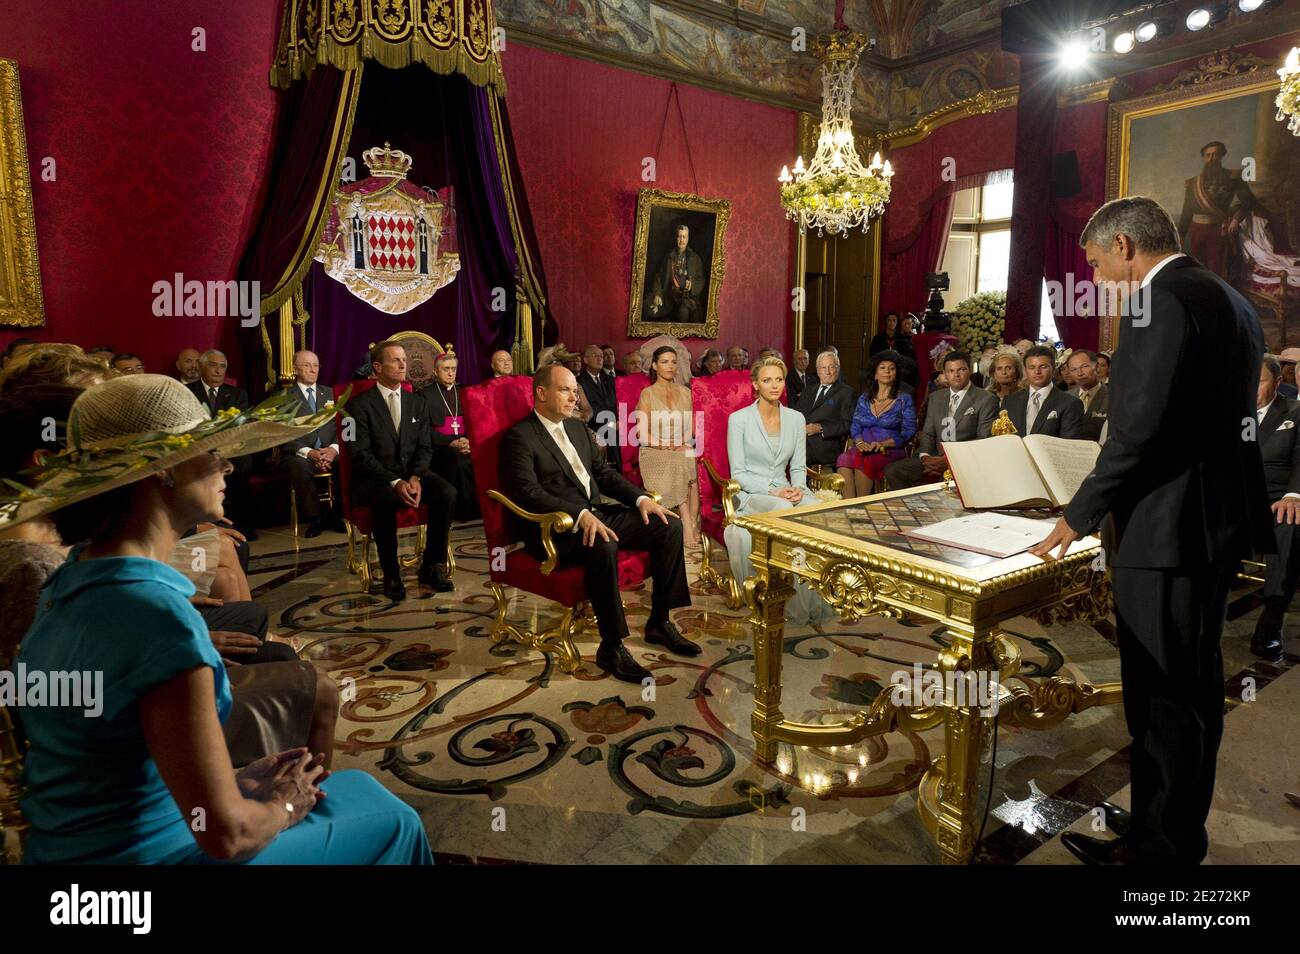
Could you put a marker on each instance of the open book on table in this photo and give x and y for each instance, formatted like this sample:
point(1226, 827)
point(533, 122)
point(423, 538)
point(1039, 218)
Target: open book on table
point(1012, 472)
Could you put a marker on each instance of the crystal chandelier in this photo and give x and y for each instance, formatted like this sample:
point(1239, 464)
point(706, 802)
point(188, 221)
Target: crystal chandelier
point(1288, 96)
point(836, 193)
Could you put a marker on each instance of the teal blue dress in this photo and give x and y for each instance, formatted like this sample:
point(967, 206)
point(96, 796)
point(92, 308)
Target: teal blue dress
point(94, 794)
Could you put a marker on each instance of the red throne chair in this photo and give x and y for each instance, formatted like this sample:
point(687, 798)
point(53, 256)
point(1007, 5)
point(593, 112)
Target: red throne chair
point(627, 390)
point(358, 519)
point(490, 408)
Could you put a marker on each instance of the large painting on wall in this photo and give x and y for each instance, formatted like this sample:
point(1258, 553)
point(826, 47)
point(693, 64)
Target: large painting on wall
point(1214, 155)
point(678, 262)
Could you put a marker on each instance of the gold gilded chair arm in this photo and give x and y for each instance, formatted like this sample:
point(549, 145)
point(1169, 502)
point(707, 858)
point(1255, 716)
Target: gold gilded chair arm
point(550, 523)
point(819, 479)
point(727, 491)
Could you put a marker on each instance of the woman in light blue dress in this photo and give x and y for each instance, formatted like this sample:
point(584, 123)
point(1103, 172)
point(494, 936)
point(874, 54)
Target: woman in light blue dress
point(135, 770)
point(766, 451)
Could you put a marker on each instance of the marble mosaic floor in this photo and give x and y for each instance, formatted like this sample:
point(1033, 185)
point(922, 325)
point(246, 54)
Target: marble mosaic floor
point(508, 759)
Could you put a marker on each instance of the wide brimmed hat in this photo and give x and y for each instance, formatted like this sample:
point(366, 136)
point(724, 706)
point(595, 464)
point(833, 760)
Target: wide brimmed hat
point(1289, 355)
point(132, 427)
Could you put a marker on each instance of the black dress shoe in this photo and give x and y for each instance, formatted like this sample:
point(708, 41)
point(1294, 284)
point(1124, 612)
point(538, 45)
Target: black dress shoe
point(618, 662)
point(667, 634)
point(392, 587)
point(1267, 643)
point(313, 529)
point(435, 577)
point(1119, 820)
point(1095, 851)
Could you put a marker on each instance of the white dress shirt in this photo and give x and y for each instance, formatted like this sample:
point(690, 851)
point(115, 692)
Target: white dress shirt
point(1156, 268)
point(386, 393)
point(302, 389)
point(954, 401)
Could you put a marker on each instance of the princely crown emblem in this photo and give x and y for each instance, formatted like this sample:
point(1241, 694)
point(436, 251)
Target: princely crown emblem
point(387, 162)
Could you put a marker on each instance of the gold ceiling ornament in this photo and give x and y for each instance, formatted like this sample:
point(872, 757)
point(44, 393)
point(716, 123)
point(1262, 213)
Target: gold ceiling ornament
point(448, 36)
point(1288, 95)
point(1216, 66)
point(836, 193)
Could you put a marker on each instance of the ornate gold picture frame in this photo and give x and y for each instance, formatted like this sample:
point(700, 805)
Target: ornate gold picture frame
point(678, 244)
point(1153, 147)
point(21, 302)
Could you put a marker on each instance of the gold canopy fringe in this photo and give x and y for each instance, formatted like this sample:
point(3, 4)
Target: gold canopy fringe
point(451, 36)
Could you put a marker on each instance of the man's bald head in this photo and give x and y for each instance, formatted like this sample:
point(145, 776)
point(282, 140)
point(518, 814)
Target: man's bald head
point(306, 367)
point(502, 363)
point(187, 364)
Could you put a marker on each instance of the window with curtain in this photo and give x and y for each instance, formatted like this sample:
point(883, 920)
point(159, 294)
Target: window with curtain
point(978, 257)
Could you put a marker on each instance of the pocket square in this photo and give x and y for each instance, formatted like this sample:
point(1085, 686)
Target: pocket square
point(1286, 425)
point(969, 412)
point(1052, 415)
point(1100, 415)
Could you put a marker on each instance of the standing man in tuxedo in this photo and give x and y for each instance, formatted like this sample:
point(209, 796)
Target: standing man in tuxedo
point(304, 457)
point(1279, 425)
point(960, 412)
point(1183, 482)
point(390, 456)
point(599, 388)
point(827, 409)
point(799, 378)
point(1093, 393)
point(216, 395)
point(547, 464)
point(1042, 408)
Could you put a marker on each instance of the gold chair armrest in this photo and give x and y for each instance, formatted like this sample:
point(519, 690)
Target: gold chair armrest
point(820, 479)
point(727, 490)
point(551, 523)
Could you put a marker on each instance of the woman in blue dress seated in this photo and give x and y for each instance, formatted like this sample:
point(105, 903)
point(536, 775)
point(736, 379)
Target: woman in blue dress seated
point(766, 450)
point(883, 422)
point(136, 770)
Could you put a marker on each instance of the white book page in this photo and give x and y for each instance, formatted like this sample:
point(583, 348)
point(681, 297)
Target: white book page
point(995, 472)
point(1063, 463)
point(996, 534)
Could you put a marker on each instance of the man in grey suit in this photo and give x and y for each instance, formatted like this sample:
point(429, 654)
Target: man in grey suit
point(1042, 408)
point(962, 412)
point(302, 459)
point(827, 409)
point(1093, 393)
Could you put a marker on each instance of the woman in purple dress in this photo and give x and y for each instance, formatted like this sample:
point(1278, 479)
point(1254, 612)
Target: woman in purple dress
point(883, 422)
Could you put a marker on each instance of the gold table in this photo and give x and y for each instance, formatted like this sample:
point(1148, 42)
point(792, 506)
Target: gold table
point(854, 553)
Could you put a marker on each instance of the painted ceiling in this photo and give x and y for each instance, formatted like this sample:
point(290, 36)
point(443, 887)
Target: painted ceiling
point(928, 53)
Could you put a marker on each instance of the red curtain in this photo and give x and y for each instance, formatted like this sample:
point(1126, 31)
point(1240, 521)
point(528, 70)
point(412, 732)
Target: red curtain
point(924, 254)
point(1065, 263)
point(1032, 201)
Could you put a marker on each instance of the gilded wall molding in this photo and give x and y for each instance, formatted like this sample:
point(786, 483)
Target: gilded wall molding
point(21, 301)
point(983, 102)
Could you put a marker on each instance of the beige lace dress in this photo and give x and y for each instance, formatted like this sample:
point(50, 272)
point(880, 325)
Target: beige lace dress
point(666, 433)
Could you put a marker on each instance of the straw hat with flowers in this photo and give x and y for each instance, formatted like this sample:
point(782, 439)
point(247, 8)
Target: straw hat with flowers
point(132, 427)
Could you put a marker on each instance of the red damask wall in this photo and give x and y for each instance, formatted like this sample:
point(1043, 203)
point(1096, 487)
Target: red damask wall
point(160, 154)
point(581, 131)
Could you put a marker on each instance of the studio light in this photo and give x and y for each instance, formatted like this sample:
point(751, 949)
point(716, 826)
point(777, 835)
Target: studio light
point(1249, 6)
point(1073, 55)
point(1203, 17)
point(1149, 30)
point(1124, 42)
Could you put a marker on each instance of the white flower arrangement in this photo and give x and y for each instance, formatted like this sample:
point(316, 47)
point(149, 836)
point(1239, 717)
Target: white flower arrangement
point(827, 496)
point(1288, 94)
point(980, 320)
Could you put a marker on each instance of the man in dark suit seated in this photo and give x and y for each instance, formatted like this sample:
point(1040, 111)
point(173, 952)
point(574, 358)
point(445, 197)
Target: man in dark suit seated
point(1279, 425)
point(546, 465)
point(1093, 393)
point(390, 454)
point(959, 412)
point(601, 395)
point(1042, 408)
point(303, 458)
point(1183, 482)
point(799, 378)
point(217, 396)
point(827, 409)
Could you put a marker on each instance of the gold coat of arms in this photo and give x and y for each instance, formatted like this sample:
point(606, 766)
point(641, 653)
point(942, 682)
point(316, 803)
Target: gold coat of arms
point(387, 239)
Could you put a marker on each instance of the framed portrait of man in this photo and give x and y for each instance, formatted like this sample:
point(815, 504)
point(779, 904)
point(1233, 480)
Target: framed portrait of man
point(678, 262)
point(1207, 147)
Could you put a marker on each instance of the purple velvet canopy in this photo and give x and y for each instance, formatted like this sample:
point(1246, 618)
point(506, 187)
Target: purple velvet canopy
point(451, 128)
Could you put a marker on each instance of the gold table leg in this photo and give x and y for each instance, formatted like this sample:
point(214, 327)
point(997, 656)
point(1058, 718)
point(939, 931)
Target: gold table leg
point(767, 599)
